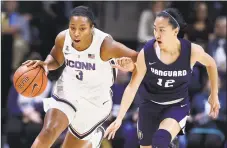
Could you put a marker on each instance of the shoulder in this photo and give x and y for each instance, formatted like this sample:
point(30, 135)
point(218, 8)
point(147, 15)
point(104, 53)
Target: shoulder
point(60, 38)
point(107, 48)
point(61, 35)
point(196, 49)
point(141, 54)
point(105, 38)
point(140, 63)
point(108, 42)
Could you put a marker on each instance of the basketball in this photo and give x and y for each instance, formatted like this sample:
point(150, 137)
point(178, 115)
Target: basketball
point(29, 81)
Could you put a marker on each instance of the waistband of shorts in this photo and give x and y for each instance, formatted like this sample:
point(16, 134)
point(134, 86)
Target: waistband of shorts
point(169, 102)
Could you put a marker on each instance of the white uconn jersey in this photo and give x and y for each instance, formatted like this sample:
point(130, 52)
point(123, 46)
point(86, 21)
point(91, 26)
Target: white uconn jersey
point(85, 74)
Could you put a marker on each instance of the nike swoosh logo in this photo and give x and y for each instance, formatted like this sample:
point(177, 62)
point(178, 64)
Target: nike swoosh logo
point(106, 102)
point(152, 63)
point(183, 105)
point(35, 85)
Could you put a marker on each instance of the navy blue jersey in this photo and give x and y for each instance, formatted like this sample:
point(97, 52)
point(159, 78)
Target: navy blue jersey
point(162, 82)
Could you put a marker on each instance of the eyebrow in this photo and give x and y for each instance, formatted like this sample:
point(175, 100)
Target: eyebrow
point(159, 27)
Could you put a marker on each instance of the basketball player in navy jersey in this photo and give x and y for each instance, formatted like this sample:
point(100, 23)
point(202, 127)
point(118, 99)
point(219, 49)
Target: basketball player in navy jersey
point(163, 69)
point(82, 97)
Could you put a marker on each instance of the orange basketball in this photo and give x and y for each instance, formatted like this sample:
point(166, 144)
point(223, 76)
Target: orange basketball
point(30, 82)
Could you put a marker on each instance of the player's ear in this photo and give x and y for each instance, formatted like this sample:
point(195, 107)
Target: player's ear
point(92, 29)
point(176, 31)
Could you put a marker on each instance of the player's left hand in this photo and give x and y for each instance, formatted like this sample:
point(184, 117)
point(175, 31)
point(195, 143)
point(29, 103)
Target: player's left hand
point(124, 64)
point(214, 105)
point(112, 129)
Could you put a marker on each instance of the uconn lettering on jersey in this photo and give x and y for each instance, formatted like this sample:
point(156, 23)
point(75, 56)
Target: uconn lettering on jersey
point(169, 73)
point(80, 65)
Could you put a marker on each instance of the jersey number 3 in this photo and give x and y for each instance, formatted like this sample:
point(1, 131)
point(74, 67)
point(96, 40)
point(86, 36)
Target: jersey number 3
point(167, 83)
point(79, 75)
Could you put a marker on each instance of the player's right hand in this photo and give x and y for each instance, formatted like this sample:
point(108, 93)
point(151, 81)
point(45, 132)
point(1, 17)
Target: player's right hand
point(124, 64)
point(35, 63)
point(112, 129)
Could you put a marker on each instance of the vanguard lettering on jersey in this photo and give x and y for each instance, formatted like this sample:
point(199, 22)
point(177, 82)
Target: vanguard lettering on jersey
point(169, 73)
point(80, 65)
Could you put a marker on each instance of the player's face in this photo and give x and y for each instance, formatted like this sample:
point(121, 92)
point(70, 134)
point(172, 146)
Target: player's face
point(80, 30)
point(164, 32)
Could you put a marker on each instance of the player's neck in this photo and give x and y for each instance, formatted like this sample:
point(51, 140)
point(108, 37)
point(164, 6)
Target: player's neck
point(174, 48)
point(88, 43)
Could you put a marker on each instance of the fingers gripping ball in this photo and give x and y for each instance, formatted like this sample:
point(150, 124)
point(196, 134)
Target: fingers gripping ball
point(29, 81)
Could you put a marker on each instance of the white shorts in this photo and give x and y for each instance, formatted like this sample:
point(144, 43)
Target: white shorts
point(84, 116)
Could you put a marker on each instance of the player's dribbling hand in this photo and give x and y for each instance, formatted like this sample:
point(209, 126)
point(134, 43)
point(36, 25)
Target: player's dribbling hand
point(124, 64)
point(214, 105)
point(35, 63)
point(112, 129)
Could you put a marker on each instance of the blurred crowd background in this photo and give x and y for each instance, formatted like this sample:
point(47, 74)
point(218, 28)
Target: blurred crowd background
point(28, 31)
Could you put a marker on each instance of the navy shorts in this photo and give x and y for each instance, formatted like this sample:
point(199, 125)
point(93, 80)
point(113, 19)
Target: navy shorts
point(151, 114)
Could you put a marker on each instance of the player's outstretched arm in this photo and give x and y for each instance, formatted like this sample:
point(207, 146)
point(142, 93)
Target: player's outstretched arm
point(129, 94)
point(124, 55)
point(55, 59)
point(199, 55)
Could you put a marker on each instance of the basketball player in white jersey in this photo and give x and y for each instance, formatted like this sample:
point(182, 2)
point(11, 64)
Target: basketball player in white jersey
point(81, 99)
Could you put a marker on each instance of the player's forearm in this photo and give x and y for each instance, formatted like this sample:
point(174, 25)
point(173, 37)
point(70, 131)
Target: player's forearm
point(126, 101)
point(52, 63)
point(213, 77)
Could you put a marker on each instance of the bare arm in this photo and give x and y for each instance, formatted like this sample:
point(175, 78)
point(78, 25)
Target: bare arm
point(199, 55)
point(113, 49)
point(130, 91)
point(129, 94)
point(55, 59)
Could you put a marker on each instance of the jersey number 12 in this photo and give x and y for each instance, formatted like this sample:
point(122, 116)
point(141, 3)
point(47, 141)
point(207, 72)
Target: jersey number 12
point(167, 83)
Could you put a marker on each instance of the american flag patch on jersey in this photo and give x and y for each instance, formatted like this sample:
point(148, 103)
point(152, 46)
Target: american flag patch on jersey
point(91, 56)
